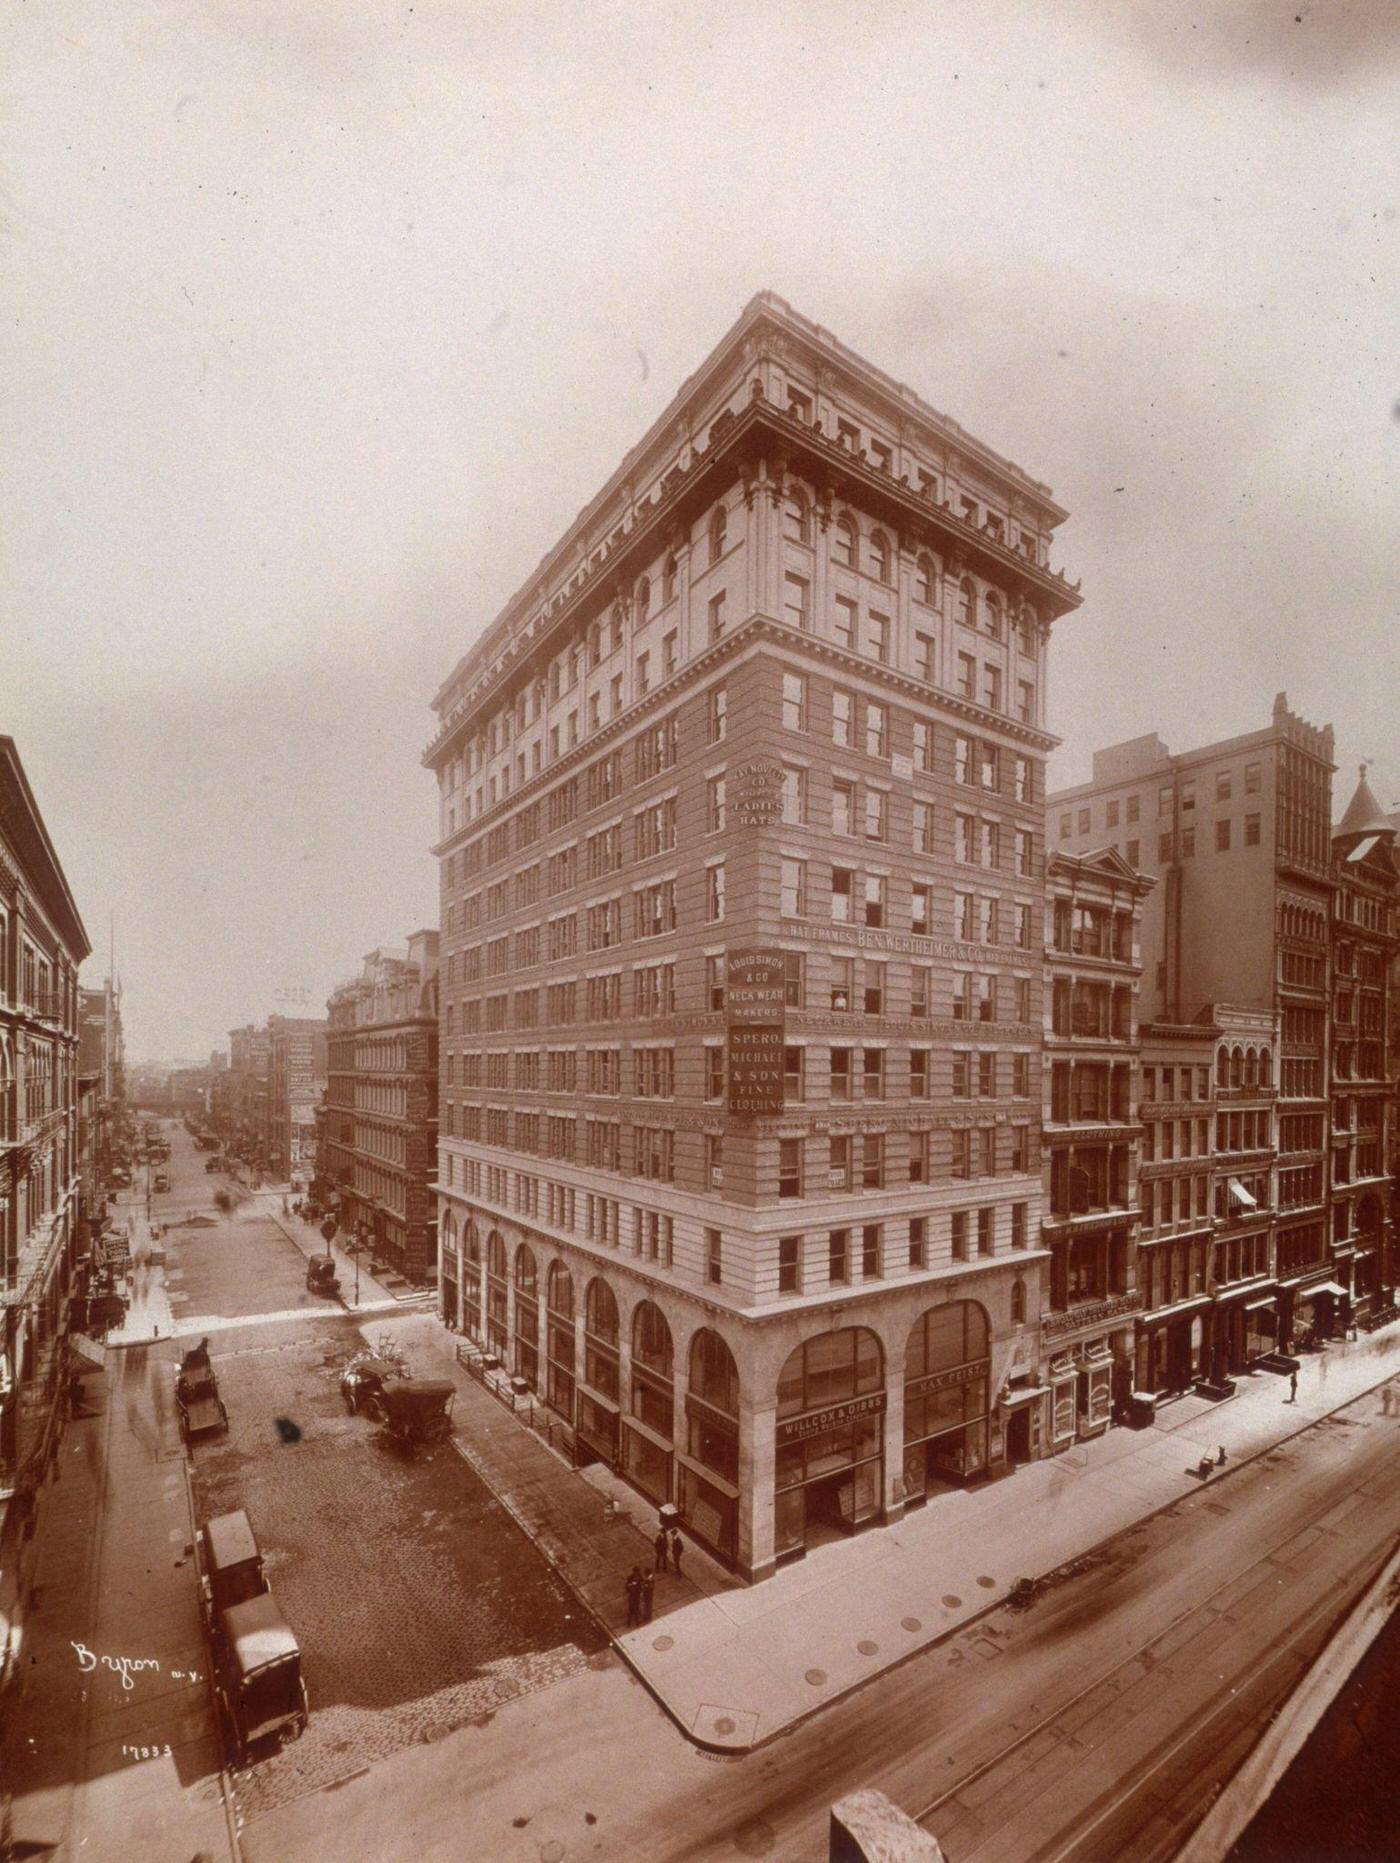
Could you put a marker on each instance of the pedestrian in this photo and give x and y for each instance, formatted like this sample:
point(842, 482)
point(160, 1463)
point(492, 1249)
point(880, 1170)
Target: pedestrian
point(660, 1543)
point(648, 1587)
point(676, 1551)
point(1292, 1387)
point(634, 1597)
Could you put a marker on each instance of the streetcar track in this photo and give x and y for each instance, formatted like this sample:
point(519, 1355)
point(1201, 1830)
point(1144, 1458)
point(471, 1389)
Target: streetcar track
point(1136, 1654)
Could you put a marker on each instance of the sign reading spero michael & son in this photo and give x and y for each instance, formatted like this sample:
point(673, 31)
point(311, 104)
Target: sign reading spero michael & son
point(753, 1002)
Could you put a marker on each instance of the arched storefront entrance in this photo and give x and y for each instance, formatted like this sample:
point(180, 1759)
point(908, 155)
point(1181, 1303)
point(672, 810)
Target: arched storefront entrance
point(451, 1308)
point(559, 1342)
point(830, 1441)
point(946, 1378)
point(471, 1281)
point(527, 1318)
point(709, 1469)
point(497, 1299)
point(648, 1438)
point(600, 1391)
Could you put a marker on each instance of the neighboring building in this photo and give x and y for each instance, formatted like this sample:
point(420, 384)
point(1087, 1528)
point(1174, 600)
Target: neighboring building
point(378, 1121)
point(1238, 835)
point(296, 1079)
point(42, 944)
point(1365, 900)
point(742, 886)
point(250, 1051)
point(1092, 974)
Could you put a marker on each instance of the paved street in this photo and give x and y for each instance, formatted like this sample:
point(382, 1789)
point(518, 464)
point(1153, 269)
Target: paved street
point(418, 1602)
point(1018, 1712)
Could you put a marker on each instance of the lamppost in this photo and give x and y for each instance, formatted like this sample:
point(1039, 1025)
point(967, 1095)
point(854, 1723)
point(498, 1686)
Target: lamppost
point(362, 1231)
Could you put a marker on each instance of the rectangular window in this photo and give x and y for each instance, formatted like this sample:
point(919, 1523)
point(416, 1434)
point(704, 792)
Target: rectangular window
point(794, 1074)
point(959, 1233)
point(843, 984)
point(794, 702)
point(714, 892)
point(991, 688)
point(838, 1257)
point(1025, 701)
point(717, 620)
point(923, 827)
point(714, 805)
point(873, 1073)
point(843, 885)
point(843, 720)
point(921, 909)
point(715, 715)
point(789, 1264)
point(871, 1253)
point(794, 808)
point(923, 746)
point(1222, 837)
point(841, 1073)
point(925, 657)
point(714, 1073)
point(967, 676)
point(1251, 831)
point(985, 1230)
point(1113, 813)
point(921, 992)
point(876, 811)
point(1018, 1225)
point(714, 1257)
point(874, 897)
point(918, 1073)
point(919, 1158)
point(843, 808)
point(843, 622)
point(876, 729)
point(790, 1167)
point(795, 607)
point(794, 889)
point(878, 638)
point(918, 1241)
point(794, 980)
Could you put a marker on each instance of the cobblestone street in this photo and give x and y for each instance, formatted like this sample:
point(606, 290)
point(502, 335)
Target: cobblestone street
point(418, 1603)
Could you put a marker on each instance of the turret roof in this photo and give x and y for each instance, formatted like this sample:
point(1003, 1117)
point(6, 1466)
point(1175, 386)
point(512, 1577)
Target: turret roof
point(1364, 814)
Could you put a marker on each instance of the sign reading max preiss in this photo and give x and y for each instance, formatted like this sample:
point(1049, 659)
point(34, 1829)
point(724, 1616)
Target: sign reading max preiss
point(754, 1011)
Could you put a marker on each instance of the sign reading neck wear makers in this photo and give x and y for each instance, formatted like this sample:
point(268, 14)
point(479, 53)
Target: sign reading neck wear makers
point(753, 1001)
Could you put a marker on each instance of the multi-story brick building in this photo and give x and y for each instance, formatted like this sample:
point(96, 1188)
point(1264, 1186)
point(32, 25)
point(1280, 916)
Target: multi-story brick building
point(250, 1052)
point(378, 1121)
point(1238, 835)
point(1365, 902)
point(42, 943)
point(742, 889)
point(1092, 972)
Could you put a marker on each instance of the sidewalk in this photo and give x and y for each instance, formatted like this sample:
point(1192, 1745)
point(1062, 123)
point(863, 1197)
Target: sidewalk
point(734, 1664)
point(308, 1238)
point(115, 1582)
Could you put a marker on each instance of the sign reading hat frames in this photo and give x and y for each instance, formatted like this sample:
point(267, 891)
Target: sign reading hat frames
point(753, 1002)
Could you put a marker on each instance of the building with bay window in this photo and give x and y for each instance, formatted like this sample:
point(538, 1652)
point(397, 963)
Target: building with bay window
point(742, 1003)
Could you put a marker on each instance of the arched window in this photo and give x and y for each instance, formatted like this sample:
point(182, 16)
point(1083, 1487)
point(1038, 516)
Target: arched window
point(471, 1279)
point(1266, 1068)
point(967, 602)
point(1236, 1067)
point(668, 580)
point(559, 1341)
point(719, 523)
point(830, 1369)
point(643, 599)
point(714, 1377)
point(1018, 1303)
point(527, 1317)
point(1251, 1067)
point(602, 1369)
point(497, 1335)
point(881, 557)
point(994, 616)
point(1222, 1067)
point(923, 581)
point(797, 518)
point(843, 542)
point(653, 1390)
point(600, 1312)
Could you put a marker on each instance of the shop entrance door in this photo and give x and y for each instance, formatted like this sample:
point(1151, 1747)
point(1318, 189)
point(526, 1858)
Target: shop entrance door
point(1018, 1435)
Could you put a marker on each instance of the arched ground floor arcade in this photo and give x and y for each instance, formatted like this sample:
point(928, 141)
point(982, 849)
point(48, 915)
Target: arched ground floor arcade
point(769, 1432)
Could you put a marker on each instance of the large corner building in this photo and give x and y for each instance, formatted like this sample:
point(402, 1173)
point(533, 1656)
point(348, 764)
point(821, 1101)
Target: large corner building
point(743, 952)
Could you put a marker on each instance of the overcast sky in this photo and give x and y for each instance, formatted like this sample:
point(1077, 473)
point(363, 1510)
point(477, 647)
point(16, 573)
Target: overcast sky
point(325, 317)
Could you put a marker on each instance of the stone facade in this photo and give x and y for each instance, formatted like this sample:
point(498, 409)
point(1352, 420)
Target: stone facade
point(742, 887)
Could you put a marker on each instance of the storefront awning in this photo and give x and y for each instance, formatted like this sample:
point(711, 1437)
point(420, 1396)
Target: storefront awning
point(1022, 1394)
point(1327, 1287)
point(1253, 1306)
point(1242, 1196)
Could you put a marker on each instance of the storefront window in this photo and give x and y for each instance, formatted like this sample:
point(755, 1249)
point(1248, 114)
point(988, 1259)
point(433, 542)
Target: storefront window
point(471, 1281)
point(945, 1395)
point(600, 1340)
point(653, 1393)
point(497, 1337)
point(559, 1341)
point(527, 1316)
point(829, 1465)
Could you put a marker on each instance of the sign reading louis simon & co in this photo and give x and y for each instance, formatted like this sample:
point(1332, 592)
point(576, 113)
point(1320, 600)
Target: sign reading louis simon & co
point(753, 988)
point(798, 1429)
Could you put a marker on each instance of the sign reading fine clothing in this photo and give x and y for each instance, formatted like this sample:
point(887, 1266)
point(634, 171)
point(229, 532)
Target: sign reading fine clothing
point(817, 1421)
point(753, 1000)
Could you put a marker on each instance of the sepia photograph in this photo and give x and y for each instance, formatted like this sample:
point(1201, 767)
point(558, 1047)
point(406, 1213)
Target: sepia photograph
point(699, 931)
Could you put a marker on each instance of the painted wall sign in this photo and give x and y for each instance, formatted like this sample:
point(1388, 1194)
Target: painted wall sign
point(757, 795)
point(798, 1429)
point(753, 989)
point(755, 1070)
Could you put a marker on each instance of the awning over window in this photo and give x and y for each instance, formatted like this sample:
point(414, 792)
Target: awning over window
point(1242, 1196)
point(1323, 1287)
point(1253, 1306)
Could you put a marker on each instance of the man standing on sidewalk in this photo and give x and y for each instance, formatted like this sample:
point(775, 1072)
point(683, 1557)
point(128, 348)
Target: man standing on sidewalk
point(660, 1544)
point(634, 1597)
point(1292, 1397)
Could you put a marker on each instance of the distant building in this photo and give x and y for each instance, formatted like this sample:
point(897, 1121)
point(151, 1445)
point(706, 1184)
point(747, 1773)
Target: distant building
point(42, 1213)
point(296, 1079)
point(378, 1123)
point(250, 1050)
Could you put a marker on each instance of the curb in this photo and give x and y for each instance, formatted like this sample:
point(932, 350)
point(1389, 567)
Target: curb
point(942, 1636)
